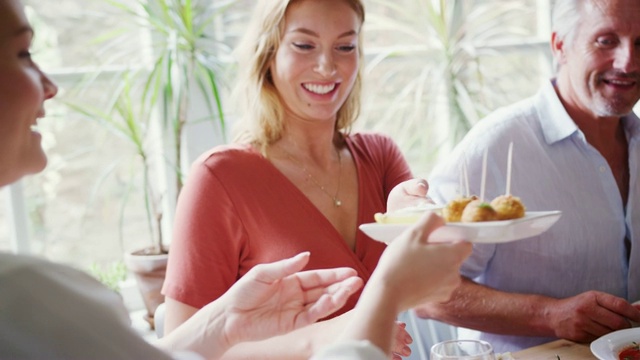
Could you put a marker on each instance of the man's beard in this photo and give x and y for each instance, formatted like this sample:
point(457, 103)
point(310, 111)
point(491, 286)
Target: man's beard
point(616, 106)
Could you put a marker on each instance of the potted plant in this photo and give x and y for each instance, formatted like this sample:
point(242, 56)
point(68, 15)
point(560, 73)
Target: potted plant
point(126, 118)
point(177, 59)
point(110, 276)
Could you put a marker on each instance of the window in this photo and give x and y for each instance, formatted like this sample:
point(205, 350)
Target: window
point(434, 72)
point(417, 83)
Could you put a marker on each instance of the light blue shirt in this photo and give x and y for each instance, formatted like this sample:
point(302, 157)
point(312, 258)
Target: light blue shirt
point(554, 168)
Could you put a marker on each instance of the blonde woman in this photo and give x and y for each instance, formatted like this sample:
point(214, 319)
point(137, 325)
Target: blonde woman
point(51, 311)
point(296, 180)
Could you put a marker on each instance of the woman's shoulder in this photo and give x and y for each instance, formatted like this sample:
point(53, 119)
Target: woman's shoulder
point(228, 154)
point(371, 140)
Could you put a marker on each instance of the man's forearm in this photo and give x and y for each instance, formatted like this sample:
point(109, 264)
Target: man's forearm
point(482, 308)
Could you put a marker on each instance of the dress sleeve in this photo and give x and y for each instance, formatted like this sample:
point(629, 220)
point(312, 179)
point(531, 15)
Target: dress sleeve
point(397, 169)
point(208, 239)
point(382, 159)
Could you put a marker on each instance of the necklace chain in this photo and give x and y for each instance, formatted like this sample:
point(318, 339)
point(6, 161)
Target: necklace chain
point(336, 201)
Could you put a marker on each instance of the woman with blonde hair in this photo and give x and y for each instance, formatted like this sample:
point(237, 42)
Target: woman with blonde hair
point(52, 311)
point(296, 179)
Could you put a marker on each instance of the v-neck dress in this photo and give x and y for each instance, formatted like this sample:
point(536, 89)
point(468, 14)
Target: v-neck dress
point(237, 210)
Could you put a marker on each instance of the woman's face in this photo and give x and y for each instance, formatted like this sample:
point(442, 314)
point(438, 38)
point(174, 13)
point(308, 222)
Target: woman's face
point(23, 90)
point(317, 62)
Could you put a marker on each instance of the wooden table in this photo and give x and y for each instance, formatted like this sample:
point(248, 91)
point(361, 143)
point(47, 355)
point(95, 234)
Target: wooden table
point(565, 349)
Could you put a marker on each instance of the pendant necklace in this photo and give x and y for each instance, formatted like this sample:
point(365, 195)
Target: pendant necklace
point(336, 201)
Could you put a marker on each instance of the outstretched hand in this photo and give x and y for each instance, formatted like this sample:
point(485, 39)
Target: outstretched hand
point(273, 299)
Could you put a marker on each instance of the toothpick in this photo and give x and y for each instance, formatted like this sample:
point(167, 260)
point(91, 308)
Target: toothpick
point(465, 175)
point(509, 159)
point(461, 180)
point(484, 174)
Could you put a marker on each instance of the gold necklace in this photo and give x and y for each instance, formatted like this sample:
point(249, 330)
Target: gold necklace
point(336, 201)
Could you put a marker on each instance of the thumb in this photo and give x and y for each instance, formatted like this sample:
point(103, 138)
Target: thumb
point(417, 187)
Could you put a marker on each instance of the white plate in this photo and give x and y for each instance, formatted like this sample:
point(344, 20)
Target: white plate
point(532, 224)
point(608, 346)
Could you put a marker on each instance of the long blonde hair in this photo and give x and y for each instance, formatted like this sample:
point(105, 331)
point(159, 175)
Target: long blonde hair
point(255, 93)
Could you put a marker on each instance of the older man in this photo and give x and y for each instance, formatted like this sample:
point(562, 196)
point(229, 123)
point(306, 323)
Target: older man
point(576, 149)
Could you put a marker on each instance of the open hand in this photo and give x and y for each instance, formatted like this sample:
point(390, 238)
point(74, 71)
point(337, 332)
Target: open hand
point(273, 299)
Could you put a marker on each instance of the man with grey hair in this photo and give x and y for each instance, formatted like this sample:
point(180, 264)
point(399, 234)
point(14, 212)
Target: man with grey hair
point(576, 148)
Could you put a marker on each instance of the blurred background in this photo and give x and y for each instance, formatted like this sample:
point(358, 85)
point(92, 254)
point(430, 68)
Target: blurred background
point(118, 142)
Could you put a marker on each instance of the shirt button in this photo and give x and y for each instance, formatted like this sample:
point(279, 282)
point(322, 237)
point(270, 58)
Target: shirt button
point(603, 169)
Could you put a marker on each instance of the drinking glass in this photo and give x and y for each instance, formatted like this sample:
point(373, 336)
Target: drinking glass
point(462, 350)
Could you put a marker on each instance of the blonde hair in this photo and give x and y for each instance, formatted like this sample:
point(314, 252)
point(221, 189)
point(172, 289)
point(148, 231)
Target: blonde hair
point(255, 93)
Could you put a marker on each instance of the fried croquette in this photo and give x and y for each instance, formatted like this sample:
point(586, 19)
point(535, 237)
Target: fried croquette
point(508, 207)
point(453, 211)
point(477, 211)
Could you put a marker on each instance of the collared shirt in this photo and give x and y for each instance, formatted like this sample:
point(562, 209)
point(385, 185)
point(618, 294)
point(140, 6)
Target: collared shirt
point(554, 168)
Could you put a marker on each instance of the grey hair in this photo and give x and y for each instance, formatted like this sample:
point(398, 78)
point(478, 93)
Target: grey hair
point(565, 17)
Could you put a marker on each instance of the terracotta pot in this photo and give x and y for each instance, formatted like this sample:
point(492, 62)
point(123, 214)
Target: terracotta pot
point(149, 272)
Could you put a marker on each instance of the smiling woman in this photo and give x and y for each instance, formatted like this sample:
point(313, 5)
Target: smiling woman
point(72, 221)
point(21, 98)
point(299, 87)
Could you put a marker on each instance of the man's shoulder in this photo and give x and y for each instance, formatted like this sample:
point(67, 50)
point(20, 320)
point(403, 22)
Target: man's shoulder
point(505, 122)
point(522, 110)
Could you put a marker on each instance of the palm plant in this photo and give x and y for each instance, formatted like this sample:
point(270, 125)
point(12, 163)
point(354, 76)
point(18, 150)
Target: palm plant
point(438, 53)
point(184, 56)
point(124, 117)
point(172, 55)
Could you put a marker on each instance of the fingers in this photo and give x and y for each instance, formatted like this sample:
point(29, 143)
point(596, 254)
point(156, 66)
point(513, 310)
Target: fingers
point(323, 277)
point(351, 285)
point(417, 187)
point(403, 339)
point(271, 272)
point(617, 305)
point(447, 235)
point(425, 226)
point(331, 301)
point(408, 193)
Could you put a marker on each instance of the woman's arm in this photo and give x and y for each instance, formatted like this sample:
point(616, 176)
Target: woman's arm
point(296, 345)
point(304, 342)
point(271, 299)
point(410, 272)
